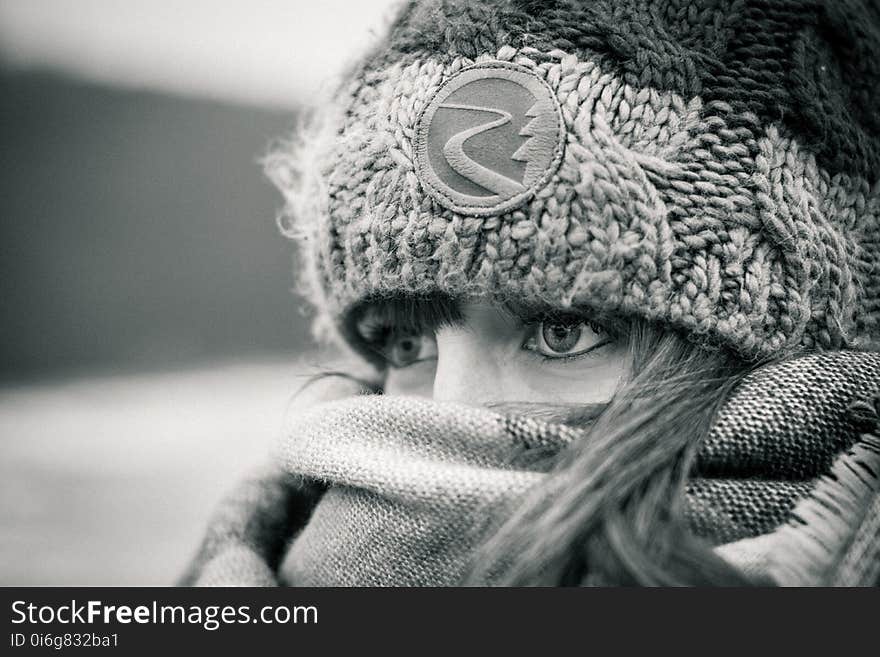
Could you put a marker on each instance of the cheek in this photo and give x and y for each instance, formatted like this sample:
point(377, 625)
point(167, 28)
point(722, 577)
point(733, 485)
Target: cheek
point(569, 382)
point(523, 379)
point(415, 380)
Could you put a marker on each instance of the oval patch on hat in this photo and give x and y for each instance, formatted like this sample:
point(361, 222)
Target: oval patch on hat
point(490, 137)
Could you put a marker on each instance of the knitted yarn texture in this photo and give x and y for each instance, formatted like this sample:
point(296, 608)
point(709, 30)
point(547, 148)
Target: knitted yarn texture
point(412, 485)
point(714, 166)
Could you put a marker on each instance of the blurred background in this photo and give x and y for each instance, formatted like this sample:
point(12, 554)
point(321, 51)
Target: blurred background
point(150, 340)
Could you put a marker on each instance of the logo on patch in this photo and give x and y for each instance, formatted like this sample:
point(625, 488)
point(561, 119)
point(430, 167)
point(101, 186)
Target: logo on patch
point(489, 139)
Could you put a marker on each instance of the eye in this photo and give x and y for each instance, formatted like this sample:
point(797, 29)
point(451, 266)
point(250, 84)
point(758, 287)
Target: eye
point(559, 338)
point(405, 349)
point(400, 337)
point(402, 348)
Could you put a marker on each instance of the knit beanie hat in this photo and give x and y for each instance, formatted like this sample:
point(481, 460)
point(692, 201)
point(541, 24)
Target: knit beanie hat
point(710, 164)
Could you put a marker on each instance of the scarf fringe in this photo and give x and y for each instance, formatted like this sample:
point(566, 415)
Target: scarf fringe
point(833, 537)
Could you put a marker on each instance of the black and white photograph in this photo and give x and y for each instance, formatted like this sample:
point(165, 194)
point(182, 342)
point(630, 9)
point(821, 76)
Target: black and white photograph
point(439, 293)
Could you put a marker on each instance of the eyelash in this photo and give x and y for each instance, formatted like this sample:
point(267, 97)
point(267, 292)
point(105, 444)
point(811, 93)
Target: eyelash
point(606, 337)
point(567, 357)
point(378, 334)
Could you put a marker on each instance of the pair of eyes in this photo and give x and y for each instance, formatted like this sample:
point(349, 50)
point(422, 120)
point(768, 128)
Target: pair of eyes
point(549, 339)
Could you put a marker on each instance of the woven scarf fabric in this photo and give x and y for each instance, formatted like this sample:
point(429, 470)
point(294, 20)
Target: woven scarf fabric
point(786, 485)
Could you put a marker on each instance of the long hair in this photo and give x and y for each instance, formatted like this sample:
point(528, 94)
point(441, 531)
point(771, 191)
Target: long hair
point(611, 510)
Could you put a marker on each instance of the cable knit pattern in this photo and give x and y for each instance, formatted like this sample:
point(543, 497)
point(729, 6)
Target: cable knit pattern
point(673, 202)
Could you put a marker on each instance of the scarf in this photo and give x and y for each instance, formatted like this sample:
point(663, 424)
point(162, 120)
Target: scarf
point(397, 491)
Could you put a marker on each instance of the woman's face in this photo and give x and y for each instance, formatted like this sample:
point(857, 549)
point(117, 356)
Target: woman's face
point(483, 354)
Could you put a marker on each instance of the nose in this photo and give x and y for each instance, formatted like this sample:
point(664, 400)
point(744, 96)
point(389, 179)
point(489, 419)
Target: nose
point(466, 371)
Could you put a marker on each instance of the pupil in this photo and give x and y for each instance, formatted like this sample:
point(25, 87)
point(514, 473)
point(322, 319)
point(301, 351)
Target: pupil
point(561, 337)
point(405, 350)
